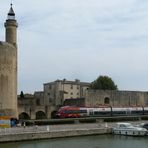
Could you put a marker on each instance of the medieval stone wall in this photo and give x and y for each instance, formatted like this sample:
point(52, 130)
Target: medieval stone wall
point(115, 98)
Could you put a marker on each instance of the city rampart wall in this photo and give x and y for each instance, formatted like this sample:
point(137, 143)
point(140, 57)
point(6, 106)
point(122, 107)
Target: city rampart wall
point(116, 98)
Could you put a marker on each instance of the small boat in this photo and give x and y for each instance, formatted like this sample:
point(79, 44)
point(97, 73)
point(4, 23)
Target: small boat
point(128, 129)
point(144, 125)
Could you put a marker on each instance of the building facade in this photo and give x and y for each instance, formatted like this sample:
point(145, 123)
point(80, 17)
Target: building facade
point(44, 104)
point(94, 98)
point(57, 92)
point(8, 68)
point(39, 97)
point(32, 106)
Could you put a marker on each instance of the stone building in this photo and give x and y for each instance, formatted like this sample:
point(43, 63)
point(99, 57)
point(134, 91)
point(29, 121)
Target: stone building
point(56, 92)
point(8, 68)
point(39, 97)
point(43, 105)
point(31, 106)
point(26, 106)
point(94, 98)
point(80, 102)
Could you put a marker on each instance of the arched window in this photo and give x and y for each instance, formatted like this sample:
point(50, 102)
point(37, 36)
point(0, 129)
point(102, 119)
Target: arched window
point(106, 100)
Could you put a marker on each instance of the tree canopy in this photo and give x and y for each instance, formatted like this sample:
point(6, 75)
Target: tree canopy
point(103, 83)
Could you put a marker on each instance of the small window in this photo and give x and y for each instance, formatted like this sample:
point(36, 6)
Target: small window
point(50, 100)
point(38, 102)
point(71, 93)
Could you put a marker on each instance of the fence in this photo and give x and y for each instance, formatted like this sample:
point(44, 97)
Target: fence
point(49, 128)
point(22, 130)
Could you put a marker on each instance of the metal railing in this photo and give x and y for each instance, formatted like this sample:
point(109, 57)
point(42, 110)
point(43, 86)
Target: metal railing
point(22, 130)
point(49, 128)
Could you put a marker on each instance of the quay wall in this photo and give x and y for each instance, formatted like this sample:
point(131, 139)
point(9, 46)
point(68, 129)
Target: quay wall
point(48, 134)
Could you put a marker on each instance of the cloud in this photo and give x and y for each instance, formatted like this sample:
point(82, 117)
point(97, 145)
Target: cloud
point(81, 39)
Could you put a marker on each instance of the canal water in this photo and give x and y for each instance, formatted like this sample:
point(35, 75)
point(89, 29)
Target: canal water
point(101, 141)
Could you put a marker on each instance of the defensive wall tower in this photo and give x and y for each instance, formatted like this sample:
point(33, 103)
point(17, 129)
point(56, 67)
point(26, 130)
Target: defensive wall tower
point(8, 68)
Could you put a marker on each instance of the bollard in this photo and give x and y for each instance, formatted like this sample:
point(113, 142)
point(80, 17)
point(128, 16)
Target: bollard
point(47, 128)
point(106, 125)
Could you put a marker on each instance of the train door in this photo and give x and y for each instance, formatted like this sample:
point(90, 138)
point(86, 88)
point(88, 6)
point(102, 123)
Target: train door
point(128, 111)
point(90, 112)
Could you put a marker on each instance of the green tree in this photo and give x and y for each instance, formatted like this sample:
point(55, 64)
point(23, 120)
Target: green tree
point(103, 83)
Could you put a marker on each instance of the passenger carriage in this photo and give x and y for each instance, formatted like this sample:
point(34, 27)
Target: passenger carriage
point(76, 112)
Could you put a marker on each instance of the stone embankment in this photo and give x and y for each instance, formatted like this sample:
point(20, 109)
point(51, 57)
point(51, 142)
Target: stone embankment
point(52, 131)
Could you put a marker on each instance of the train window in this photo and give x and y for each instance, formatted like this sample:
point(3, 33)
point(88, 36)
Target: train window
point(137, 112)
point(69, 111)
point(100, 113)
point(145, 112)
point(75, 111)
point(96, 112)
point(83, 111)
point(119, 112)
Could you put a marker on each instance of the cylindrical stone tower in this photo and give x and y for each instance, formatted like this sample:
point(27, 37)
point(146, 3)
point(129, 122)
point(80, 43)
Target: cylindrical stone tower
point(8, 69)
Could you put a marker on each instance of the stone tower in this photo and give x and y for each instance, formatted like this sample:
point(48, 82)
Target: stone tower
point(8, 68)
point(11, 28)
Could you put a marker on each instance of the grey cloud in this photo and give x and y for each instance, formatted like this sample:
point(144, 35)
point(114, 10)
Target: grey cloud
point(81, 39)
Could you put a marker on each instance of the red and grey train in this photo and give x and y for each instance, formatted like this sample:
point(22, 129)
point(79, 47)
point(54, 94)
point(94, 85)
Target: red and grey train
point(76, 112)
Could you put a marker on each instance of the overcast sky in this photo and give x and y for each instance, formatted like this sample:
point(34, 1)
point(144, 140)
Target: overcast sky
point(80, 39)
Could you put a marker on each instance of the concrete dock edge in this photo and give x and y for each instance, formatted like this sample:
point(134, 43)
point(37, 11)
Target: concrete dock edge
point(53, 134)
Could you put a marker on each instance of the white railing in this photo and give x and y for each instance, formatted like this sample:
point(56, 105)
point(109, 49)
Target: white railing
point(49, 128)
point(22, 130)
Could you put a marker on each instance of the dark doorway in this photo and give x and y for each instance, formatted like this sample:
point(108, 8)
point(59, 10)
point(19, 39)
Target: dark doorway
point(106, 100)
point(24, 116)
point(40, 115)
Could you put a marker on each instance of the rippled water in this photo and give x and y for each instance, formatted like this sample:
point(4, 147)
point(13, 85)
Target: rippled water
point(102, 141)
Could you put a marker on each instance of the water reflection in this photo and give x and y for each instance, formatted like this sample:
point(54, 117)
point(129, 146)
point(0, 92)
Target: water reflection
point(102, 141)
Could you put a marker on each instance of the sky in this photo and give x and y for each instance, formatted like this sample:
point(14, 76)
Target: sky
point(80, 39)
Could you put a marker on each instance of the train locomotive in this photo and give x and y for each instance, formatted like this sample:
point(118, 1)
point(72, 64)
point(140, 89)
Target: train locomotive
point(104, 111)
